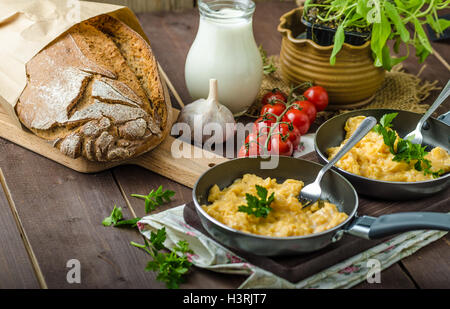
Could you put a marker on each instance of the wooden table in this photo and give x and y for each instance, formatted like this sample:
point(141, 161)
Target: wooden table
point(50, 214)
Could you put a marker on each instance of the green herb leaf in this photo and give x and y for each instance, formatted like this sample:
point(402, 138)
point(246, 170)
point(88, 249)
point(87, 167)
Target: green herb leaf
point(339, 39)
point(406, 151)
point(158, 238)
point(423, 39)
point(171, 267)
point(127, 223)
point(258, 207)
point(394, 16)
point(380, 34)
point(386, 119)
point(384, 20)
point(114, 217)
point(386, 58)
point(155, 198)
point(443, 24)
point(183, 247)
point(362, 8)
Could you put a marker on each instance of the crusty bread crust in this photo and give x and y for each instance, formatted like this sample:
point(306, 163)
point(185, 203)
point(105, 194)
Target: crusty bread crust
point(96, 92)
point(140, 59)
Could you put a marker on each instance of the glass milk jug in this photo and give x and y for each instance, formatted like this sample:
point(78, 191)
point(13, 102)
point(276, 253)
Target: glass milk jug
point(225, 49)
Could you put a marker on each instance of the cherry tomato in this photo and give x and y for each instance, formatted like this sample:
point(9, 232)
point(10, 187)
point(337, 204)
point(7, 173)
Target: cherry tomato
point(276, 109)
point(254, 139)
point(273, 97)
point(288, 130)
point(262, 126)
point(299, 119)
point(308, 108)
point(254, 143)
point(281, 146)
point(243, 152)
point(249, 150)
point(318, 96)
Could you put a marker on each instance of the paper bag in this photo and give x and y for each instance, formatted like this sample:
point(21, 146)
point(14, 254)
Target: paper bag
point(27, 26)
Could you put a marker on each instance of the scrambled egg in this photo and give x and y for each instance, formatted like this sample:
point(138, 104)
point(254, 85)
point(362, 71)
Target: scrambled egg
point(371, 158)
point(287, 218)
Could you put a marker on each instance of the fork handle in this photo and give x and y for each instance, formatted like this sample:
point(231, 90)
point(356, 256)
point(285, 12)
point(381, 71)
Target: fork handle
point(441, 98)
point(362, 130)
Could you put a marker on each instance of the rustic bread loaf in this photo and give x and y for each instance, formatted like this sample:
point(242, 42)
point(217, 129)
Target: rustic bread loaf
point(96, 92)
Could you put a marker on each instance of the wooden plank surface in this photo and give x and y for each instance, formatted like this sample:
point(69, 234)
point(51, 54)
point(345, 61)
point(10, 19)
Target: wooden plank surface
point(61, 210)
point(430, 266)
point(143, 6)
point(16, 269)
point(392, 278)
point(152, 5)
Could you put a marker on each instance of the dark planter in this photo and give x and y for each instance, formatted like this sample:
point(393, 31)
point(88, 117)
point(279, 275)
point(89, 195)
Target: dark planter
point(324, 36)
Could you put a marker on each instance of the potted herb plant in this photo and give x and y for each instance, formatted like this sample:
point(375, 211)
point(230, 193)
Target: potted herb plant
point(342, 45)
point(333, 22)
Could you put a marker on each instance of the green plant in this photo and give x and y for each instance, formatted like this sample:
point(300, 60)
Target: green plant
point(170, 266)
point(258, 207)
point(404, 150)
point(385, 20)
point(116, 219)
point(155, 198)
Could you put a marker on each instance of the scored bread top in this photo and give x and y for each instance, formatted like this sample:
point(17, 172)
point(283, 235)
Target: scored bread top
point(96, 92)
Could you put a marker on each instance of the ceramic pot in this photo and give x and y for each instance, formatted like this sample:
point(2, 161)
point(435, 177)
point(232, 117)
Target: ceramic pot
point(350, 83)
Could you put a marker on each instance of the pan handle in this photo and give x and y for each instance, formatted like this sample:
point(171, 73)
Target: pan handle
point(387, 225)
point(445, 118)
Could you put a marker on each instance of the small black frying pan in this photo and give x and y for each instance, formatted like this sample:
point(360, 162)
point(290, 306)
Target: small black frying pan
point(335, 188)
point(435, 133)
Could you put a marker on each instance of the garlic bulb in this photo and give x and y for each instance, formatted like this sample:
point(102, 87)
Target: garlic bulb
point(208, 118)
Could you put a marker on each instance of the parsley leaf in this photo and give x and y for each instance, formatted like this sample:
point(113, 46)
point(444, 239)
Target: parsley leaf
point(127, 223)
point(183, 247)
point(115, 216)
point(158, 238)
point(389, 136)
point(172, 266)
point(406, 151)
point(155, 198)
point(115, 219)
point(258, 207)
point(386, 120)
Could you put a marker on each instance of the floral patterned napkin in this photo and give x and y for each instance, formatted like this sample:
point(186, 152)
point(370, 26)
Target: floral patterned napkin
point(209, 254)
point(306, 145)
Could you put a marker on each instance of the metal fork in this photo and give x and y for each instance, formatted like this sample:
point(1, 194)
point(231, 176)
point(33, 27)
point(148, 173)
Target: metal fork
point(312, 192)
point(416, 136)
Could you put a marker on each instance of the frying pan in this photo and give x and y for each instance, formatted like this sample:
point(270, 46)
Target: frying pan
point(335, 188)
point(435, 133)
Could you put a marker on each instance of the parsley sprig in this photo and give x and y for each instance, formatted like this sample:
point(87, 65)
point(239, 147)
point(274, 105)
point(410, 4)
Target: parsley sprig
point(172, 266)
point(115, 219)
point(406, 151)
point(155, 198)
point(258, 207)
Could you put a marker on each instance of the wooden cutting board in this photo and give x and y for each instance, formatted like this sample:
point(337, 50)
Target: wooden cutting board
point(159, 160)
